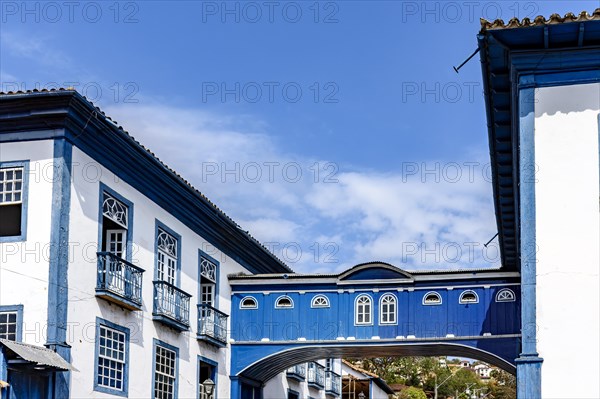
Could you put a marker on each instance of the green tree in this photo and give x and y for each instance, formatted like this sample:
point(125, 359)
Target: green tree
point(412, 393)
point(502, 385)
point(463, 380)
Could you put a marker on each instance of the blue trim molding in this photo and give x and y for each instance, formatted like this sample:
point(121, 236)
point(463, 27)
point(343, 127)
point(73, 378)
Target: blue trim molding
point(58, 283)
point(24, 198)
point(528, 363)
point(214, 376)
point(3, 366)
point(19, 310)
point(124, 330)
point(155, 343)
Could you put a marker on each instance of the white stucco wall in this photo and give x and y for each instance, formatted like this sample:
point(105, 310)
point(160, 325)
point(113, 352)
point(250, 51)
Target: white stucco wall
point(568, 236)
point(84, 307)
point(24, 264)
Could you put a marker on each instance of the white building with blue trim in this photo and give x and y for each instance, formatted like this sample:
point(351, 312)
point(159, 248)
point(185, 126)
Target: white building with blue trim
point(110, 259)
point(119, 279)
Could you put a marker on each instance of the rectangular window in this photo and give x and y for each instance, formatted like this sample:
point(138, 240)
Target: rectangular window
point(208, 280)
point(115, 226)
point(13, 194)
point(112, 352)
point(329, 364)
point(207, 370)
point(165, 371)
point(8, 325)
point(167, 253)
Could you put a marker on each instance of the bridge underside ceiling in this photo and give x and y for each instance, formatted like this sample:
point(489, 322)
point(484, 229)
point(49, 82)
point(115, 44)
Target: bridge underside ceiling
point(268, 360)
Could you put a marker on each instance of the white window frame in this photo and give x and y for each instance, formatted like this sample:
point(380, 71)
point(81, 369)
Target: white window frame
point(171, 376)
point(208, 281)
point(115, 210)
point(278, 300)
point(432, 303)
point(462, 301)
point(394, 313)
point(166, 254)
point(22, 168)
point(255, 306)
point(356, 311)
point(314, 304)
point(7, 315)
point(112, 355)
point(512, 298)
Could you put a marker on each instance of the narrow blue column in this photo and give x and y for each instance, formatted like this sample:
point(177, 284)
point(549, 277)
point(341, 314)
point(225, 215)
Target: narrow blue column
point(59, 262)
point(529, 364)
point(3, 367)
point(236, 388)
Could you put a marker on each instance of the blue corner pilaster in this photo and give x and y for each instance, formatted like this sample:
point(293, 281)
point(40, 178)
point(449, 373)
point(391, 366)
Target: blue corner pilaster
point(529, 377)
point(244, 388)
point(529, 364)
point(59, 261)
point(3, 368)
point(236, 389)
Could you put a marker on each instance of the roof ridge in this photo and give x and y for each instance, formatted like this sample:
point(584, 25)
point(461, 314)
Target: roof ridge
point(540, 20)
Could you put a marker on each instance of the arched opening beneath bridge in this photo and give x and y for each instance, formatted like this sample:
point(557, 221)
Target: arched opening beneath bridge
point(270, 366)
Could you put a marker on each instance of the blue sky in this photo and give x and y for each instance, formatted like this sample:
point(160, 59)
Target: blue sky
point(336, 132)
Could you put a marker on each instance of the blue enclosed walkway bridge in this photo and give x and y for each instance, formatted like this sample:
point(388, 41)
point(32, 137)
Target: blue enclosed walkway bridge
point(373, 309)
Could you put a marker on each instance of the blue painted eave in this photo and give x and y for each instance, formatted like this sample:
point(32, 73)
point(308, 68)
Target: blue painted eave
point(557, 45)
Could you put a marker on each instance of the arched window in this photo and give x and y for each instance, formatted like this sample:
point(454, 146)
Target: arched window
point(468, 297)
point(363, 310)
point(432, 298)
point(319, 301)
point(505, 295)
point(248, 303)
point(284, 302)
point(387, 306)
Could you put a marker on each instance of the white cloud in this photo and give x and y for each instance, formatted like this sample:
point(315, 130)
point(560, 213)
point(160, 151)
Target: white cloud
point(33, 48)
point(364, 216)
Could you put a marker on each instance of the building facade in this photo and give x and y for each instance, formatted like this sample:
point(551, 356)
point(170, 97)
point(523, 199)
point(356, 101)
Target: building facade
point(320, 379)
point(542, 91)
point(118, 278)
point(358, 383)
point(110, 259)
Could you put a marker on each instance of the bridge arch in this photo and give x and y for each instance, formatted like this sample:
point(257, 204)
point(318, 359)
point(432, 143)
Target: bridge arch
point(270, 366)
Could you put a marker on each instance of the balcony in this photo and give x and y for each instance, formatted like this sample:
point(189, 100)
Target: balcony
point(316, 375)
point(297, 372)
point(119, 281)
point(333, 383)
point(171, 306)
point(212, 325)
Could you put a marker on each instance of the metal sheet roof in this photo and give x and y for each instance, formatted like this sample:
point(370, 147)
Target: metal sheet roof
point(38, 355)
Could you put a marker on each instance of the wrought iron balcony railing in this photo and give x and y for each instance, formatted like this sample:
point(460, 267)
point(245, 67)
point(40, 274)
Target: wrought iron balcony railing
point(333, 383)
point(171, 305)
point(316, 375)
point(297, 372)
point(212, 324)
point(119, 281)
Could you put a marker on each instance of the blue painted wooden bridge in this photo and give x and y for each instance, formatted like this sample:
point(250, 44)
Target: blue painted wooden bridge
point(373, 309)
